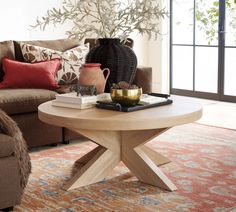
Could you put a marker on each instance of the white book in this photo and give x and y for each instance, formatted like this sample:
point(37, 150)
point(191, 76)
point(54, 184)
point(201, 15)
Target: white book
point(72, 105)
point(149, 99)
point(73, 98)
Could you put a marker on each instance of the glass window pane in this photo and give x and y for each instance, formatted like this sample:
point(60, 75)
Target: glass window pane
point(206, 69)
point(182, 67)
point(182, 21)
point(230, 36)
point(207, 16)
point(230, 72)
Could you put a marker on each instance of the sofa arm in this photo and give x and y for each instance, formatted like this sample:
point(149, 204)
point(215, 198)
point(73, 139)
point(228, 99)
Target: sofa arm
point(143, 78)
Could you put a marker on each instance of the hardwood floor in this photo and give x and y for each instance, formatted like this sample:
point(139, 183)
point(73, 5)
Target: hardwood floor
point(216, 113)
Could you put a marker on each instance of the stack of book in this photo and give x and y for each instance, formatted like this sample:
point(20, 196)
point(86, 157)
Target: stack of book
point(71, 100)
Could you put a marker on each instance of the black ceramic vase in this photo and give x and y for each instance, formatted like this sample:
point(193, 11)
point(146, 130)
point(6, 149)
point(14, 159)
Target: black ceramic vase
point(119, 58)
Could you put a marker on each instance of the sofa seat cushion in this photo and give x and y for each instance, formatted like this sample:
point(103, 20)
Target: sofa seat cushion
point(17, 101)
point(6, 145)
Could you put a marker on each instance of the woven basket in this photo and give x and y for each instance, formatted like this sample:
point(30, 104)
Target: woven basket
point(119, 58)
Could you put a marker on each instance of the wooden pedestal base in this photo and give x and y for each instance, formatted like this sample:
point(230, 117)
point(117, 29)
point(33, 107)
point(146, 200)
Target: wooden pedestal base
point(126, 146)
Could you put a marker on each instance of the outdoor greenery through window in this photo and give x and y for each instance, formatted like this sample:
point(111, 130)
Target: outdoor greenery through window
point(207, 16)
point(204, 48)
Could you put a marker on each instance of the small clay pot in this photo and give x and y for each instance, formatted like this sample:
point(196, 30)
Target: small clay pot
point(92, 74)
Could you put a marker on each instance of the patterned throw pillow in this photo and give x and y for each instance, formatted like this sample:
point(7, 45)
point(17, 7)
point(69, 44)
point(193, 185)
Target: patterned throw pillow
point(71, 60)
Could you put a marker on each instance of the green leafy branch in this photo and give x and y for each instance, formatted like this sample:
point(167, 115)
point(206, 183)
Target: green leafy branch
point(106, 18)
point(207, 19)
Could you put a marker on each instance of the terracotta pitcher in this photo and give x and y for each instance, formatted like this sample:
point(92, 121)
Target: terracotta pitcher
point(91, 74)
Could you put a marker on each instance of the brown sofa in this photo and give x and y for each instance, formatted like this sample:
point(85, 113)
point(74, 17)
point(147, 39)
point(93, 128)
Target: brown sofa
point(21, 104)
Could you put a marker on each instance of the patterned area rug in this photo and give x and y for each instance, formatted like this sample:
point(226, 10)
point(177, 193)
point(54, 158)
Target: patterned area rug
point(203, 168)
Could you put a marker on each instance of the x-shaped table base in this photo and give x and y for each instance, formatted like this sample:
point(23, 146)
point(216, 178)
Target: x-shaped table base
point(126, 146)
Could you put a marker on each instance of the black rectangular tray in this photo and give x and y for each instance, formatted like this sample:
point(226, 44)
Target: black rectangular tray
point(118, 107)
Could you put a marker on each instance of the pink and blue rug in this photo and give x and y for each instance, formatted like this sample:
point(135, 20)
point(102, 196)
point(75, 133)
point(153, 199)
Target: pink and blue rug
point(203, 168)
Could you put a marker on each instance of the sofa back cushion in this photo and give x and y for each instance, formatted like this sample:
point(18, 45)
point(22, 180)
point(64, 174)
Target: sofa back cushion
point(6, 50)
point(59, 45)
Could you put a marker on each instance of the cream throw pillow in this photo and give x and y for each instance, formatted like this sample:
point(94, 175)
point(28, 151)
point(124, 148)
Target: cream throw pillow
point(71, 60)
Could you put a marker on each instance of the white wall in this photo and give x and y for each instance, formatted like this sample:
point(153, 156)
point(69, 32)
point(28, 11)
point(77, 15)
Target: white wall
point(149, 53)
point(155, 54)
point(140, 48)
point(17, 15)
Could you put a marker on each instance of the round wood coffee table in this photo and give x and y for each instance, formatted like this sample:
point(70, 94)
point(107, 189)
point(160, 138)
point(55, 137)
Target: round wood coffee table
point(121, 137)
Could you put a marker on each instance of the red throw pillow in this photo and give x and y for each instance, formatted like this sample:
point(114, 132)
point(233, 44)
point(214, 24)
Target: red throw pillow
point(26, 75)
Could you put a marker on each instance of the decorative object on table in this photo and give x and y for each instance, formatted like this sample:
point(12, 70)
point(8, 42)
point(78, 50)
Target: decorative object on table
point(71, 100)
point(153, 98)
point(83, 90)
point(71, 60)
point(125, 94)
point(92, 74)
point(123, 85)
point(146, 101)
point(110, 20)
point(119, 58)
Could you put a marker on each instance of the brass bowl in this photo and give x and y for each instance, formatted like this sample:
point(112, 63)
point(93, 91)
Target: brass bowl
point(126, 97)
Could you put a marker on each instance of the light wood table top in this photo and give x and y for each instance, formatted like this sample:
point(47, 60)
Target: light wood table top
point(121, 136)
point(181, 111)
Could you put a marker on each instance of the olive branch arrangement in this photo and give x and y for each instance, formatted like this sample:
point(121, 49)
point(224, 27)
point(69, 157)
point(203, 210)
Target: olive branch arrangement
point(106, 18)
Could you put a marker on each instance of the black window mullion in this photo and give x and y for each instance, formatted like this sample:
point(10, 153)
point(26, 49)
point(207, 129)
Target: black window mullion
point(221, 50)
point(171, 46)
point(194, 43)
